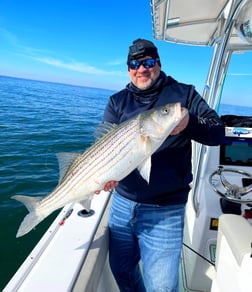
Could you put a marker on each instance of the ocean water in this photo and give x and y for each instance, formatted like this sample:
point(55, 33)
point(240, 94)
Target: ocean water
point(38, 120)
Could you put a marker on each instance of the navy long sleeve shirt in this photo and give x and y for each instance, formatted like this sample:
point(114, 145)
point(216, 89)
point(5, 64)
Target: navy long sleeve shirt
point(171, 164)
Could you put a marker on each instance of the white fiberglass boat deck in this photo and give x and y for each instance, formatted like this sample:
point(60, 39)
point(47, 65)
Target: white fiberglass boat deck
point(217, 251)
point(74, 244)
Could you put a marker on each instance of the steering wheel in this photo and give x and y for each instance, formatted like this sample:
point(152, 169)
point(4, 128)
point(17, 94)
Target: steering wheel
point(233, 192)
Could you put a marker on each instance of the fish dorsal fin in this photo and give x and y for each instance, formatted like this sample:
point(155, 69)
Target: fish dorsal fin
point(65, 160)
point(103, 129)
point(145, 168)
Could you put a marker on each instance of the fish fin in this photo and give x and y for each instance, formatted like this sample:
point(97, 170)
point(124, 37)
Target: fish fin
point(65, 160)
point(31, 219)
point(86, 204)
point(103, 129)
point(144, 168)
point(28, 223)
point(29, 202)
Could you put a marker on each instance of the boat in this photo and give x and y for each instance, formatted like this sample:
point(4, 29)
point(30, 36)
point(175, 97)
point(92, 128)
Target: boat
point(217, 251)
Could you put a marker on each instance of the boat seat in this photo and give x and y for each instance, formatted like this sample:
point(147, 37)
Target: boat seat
point(233, 254)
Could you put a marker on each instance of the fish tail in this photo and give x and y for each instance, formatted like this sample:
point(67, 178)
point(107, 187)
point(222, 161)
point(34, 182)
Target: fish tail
point(28, 223)
point(31, 219)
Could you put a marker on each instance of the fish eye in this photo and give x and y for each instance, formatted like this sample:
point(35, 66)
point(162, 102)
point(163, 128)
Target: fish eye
point(166, 111)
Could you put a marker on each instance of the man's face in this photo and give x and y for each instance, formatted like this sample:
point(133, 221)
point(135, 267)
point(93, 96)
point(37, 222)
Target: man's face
point(143, 78)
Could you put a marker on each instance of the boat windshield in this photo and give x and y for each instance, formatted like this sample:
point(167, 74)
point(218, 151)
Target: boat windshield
point(237, 86)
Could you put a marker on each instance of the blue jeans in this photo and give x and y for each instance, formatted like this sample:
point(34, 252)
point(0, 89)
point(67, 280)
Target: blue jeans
point(152, 233)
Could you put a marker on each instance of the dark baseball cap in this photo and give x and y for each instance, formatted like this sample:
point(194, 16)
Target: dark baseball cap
point(142, 48)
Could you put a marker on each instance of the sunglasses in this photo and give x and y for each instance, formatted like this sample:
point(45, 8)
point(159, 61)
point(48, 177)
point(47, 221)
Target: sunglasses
point(148, 63)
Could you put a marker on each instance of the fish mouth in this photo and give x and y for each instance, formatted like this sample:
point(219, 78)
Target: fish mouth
point(183, 111)
point(178, 111)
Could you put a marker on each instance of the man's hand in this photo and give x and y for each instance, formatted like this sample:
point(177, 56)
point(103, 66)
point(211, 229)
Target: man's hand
point(108, 186)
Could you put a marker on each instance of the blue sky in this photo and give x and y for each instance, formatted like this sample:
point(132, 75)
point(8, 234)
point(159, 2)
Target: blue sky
point(86, 42)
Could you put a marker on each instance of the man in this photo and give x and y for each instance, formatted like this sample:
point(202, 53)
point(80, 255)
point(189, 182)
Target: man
point(146, 220)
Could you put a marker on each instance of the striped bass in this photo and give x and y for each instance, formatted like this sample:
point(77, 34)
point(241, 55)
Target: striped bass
point(122, 149)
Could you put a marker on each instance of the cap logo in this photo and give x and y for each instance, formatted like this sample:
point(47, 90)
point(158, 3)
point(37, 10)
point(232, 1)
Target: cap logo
point(142, 48)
